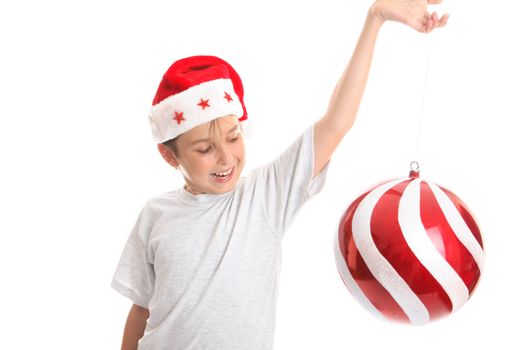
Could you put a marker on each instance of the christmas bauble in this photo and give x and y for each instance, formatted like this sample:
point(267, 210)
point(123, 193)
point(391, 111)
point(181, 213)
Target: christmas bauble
point(409, 250)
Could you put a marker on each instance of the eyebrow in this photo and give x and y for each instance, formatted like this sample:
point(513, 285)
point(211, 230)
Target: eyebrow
point(208, 139)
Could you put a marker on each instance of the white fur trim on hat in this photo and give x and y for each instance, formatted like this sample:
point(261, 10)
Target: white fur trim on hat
point(199, 104)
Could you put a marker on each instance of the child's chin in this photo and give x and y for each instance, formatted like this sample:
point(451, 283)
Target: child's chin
point(224, 188)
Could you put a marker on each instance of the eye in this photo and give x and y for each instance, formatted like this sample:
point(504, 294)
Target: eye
point(234, 139)
point(206, 150)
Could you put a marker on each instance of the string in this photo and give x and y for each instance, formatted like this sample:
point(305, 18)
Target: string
point(415, 163)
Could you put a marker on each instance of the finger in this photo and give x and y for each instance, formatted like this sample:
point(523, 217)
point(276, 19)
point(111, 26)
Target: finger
point(440, 22)
point(435, 17)
point(443, 20)
point(429, 26)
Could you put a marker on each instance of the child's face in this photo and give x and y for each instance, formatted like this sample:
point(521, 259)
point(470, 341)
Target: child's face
point(211, 157)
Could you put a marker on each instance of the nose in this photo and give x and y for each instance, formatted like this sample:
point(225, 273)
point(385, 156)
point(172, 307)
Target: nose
point(224, 155)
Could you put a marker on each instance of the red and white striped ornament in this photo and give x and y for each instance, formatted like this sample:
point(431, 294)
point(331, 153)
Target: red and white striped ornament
point(409, 250)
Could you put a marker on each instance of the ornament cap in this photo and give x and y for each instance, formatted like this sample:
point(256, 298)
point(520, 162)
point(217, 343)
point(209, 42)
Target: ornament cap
point(413, 174)
point(414, 170)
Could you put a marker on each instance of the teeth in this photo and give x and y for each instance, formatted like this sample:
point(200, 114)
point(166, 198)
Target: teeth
point(223, 174)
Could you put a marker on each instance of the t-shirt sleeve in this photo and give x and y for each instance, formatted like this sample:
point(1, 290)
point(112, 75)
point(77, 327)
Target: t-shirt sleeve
point(288, 182)
point(134, 277)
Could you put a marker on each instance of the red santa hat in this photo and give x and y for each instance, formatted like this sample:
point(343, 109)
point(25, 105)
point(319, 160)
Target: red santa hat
point(194, 91)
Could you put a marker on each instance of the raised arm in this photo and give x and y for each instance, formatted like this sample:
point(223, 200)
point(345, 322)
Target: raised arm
point(344, 104)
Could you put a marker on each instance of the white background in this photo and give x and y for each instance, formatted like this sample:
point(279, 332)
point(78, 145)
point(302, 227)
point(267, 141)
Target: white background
point(78, 161)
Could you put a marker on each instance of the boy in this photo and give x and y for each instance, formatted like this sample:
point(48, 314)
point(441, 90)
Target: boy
point(201, 265)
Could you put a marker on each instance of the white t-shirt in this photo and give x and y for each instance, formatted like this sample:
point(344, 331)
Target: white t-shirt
point(207, 266)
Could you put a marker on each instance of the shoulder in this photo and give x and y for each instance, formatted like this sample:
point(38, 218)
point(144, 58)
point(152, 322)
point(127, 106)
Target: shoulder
point(160, 203)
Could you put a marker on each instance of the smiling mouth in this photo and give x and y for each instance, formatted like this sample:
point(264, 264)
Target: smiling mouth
point(223, 175)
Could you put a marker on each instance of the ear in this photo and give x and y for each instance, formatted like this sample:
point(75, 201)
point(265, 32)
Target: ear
point(168, 155)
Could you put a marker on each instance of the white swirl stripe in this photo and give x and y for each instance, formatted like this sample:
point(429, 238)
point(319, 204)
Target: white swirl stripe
point(458, 225)
point(421, 245)
point(350, 283)
point(380, 268)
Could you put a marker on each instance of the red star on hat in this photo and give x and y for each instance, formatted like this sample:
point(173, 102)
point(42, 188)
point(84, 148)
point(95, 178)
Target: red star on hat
point(178, 117)
point(227, 97)
point(203, 103)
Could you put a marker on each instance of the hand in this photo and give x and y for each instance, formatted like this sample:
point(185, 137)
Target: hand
point(413, 13)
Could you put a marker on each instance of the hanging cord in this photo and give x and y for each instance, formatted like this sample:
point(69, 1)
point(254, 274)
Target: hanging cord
point(414, 165)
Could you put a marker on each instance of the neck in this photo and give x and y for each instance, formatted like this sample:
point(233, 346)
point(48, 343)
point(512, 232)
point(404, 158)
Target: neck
point(188, 189)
